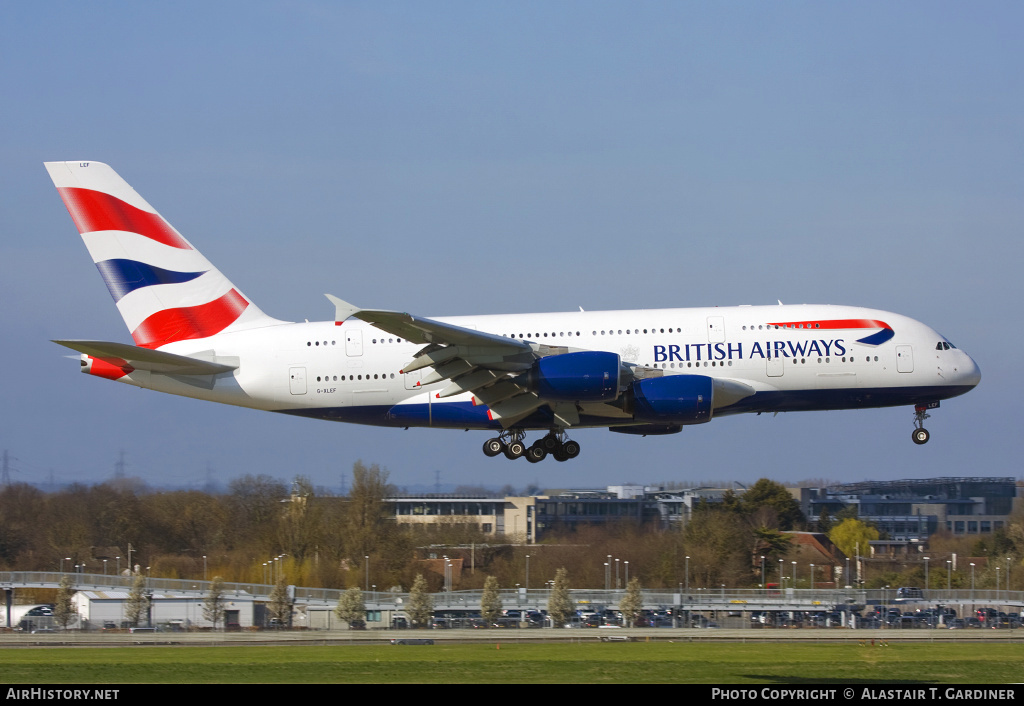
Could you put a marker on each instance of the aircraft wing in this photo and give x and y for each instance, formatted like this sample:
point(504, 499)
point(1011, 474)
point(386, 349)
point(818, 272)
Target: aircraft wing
point(121, 354)
point(483, 364)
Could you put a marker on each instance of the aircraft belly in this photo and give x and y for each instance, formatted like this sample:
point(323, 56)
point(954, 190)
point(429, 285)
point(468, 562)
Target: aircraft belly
point(808, 400)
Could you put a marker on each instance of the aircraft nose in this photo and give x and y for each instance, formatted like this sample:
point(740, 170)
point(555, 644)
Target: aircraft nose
point(969, 372)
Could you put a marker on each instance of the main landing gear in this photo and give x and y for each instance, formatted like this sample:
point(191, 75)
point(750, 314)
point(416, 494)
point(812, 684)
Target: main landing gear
point(512, 443)
point(920, 435)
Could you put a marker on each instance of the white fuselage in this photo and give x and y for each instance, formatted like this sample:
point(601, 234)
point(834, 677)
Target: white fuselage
point(794, 357)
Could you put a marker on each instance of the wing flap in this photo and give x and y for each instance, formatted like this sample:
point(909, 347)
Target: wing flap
point(512, 410)
point(469, 382)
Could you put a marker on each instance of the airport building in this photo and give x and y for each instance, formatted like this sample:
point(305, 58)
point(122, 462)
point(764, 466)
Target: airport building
point(906, 512)
point(526, 519)
point(510, 517)
point(167, 609)
point(909, 511)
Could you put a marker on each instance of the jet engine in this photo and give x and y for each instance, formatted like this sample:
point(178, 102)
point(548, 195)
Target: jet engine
point(586, 376)
point(673, 399)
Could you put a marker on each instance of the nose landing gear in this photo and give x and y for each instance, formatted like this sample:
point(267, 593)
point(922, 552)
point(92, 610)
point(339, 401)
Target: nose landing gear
point(920, 434)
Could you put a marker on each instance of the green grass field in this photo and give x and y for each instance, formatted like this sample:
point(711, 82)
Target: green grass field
point(584, 663)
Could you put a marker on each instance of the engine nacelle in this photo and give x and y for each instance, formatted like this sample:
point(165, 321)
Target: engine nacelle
point(587, 376)
point(648, 429)
point(673, 399)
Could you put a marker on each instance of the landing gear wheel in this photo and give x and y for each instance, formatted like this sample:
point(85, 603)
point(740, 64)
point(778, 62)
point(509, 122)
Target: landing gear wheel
point(493, 447)
point(571, 449)
point(921, 436)
point(536, 453)
point(549, 442)
point(514, 450)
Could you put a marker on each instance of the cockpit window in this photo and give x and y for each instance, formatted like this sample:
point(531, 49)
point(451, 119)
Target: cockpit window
point(944, 346)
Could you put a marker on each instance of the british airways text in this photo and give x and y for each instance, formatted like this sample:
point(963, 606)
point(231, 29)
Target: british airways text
point(734, 351)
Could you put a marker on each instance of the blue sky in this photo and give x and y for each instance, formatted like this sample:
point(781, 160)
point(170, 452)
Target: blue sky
point(479, 158)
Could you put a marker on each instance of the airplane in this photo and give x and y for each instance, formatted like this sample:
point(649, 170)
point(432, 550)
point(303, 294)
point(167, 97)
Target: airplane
point(645, 372)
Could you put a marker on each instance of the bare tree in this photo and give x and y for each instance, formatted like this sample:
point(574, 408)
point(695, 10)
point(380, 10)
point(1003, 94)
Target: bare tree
point(421, 605)
point(351, 606)
point(213, 605)
point(559, 604)
point(367, 522)
point(63, 608)
point(632, 603)
point(490, 601)
point(280, 604)
point(137, 604)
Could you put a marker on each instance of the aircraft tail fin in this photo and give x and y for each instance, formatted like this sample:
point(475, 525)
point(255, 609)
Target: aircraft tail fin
point(164, 288)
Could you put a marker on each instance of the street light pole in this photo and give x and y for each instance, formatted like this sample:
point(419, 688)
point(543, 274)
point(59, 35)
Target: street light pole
point(856, 555)
point(687, 574)
point(926, 586)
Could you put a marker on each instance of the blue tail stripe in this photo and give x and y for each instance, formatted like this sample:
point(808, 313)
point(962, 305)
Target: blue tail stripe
point(124, 276)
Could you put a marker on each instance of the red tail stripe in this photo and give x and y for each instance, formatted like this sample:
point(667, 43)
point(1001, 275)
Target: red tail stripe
point(190, 322)
point(95, 210)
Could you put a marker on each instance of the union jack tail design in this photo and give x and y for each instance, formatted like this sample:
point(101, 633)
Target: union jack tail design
point(164, 288)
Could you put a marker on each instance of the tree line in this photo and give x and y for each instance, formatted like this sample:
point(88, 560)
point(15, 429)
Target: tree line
point(261, 530)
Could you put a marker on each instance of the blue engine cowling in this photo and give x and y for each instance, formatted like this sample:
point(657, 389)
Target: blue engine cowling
point(587, 376)
point(673, 399)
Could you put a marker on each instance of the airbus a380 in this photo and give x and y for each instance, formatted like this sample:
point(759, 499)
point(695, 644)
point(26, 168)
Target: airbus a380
point(635, 372)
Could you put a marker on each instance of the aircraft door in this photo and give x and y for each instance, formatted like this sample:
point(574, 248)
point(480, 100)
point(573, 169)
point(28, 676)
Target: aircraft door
point(716, 329)
point(905, 359)
point(412, 380)
point(776, 367)
point(297, 380)
point(354, 342)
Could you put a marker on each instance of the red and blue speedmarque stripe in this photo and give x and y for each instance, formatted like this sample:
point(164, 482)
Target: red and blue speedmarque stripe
point(874, 339)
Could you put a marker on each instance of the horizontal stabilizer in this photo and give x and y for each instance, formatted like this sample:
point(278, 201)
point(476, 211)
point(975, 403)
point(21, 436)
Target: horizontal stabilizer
point(151, 360)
